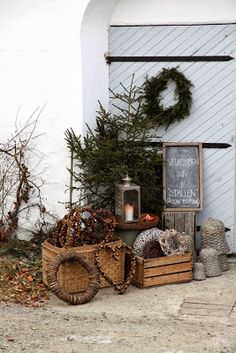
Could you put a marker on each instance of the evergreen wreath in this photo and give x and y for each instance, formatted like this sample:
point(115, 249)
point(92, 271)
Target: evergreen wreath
point(151, 93)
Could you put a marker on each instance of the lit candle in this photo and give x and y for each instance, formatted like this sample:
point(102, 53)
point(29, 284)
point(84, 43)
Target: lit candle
point(148, 218)
point(129, 212)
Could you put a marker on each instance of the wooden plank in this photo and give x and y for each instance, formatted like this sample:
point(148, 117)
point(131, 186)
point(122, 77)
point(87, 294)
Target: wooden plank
point(180, 221)
point(167, 279)
point(204, 312)
point(162, 270)
point(206, 301)
point(167, 260)
point(139, 271)
point(202, 307)
point(208, 306)
point(140, 260)
point(169, 220)
point(190, 224)
point(170, 40)
point(137, 283)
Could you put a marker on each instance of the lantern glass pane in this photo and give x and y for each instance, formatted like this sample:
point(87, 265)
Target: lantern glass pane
point(131, 204)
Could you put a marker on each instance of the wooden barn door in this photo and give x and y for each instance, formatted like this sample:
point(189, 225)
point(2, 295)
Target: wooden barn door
point(205, 54)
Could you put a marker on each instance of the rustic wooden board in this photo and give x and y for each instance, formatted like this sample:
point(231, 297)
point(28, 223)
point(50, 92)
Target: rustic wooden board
point(168, 220)
point(139, 274)
point(168, 279)
point(163, 270)
point(190, 224)
point(206, 301)
point(167, 260)
point(201, 307)
point(204, 312)
point(179, 221)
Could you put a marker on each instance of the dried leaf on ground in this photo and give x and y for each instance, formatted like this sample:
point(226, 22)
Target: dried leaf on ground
point(21, 281)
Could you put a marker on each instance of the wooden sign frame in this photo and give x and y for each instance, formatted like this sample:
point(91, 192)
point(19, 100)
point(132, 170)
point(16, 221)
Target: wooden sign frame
point(177, 206)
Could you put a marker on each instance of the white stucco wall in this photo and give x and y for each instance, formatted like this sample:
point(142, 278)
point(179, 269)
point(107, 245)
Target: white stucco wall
point(40, 63)
point(94, 37)
point(173, 11)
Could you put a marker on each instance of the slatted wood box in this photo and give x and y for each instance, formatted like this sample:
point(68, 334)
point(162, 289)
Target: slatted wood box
point(163, 270)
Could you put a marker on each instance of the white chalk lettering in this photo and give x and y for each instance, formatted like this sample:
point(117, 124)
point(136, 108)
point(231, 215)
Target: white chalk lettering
point(191, 202)
point(182, 173)
point(174, 202)
point(188, 193)
point(182, 162)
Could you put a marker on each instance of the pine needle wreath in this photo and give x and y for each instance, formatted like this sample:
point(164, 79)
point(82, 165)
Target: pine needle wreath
point(152, 106)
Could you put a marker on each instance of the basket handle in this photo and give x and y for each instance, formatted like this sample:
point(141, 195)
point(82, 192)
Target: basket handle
point(119, 288)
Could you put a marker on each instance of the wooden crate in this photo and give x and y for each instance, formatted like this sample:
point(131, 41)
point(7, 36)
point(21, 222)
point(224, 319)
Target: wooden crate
point(163, 270)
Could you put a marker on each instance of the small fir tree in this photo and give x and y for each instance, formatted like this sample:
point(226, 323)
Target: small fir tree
point(119, 144)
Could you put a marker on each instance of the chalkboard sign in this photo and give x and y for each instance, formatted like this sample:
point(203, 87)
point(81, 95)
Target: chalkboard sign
point(182, 177)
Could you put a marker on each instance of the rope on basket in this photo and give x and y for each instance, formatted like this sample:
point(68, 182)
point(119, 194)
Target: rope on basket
point(119, 288)
point(73, 298)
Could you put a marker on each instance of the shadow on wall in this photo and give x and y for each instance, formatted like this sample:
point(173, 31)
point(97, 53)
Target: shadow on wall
point(94, 44)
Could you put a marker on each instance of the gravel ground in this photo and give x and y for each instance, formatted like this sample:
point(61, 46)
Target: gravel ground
point(147, 320)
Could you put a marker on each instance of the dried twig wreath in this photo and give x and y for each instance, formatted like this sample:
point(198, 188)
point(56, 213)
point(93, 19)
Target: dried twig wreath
point(151, 93)
point(152, 249)
point(73, 298)
point(173, 242)
point(119, 288)
point(83, 226)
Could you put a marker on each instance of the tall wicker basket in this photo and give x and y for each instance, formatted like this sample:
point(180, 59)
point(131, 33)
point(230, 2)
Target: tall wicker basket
point(213, 236)
point(74, 278)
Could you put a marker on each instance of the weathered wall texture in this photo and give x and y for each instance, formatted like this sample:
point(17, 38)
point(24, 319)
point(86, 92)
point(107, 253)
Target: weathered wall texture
point(40, 63)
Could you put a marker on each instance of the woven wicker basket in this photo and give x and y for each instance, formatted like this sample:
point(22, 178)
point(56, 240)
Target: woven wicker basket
point(198, 271)
point(210, 259)
point(213, 236)
point(74, 278)
point(223, 262)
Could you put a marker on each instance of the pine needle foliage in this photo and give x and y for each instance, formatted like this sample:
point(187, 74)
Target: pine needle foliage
point(119, 144)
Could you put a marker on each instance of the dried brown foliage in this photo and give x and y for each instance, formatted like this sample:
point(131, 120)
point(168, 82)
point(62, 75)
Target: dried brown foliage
point(21, 281)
